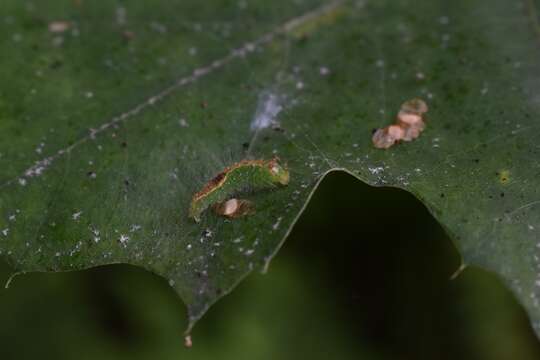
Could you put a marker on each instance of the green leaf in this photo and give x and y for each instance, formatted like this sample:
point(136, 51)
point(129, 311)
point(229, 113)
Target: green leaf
point(112, 117)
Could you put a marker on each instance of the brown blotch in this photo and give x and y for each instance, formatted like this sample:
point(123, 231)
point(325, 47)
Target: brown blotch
point(504, 176)
point(408, 126)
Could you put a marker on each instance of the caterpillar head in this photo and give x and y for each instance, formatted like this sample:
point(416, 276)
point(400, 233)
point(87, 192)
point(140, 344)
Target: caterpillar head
point(280, 174)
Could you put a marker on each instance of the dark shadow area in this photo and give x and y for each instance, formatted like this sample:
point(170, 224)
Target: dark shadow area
point(364, 274)
point(389, 263)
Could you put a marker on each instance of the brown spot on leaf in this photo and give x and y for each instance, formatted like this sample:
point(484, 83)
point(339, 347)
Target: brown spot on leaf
point(408, 126)
point(504, 176)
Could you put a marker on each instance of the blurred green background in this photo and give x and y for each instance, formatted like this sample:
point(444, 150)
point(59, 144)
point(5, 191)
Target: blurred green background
point(364, 275)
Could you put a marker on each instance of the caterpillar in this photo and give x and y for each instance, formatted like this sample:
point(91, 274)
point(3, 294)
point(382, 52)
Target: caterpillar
point(245, 175)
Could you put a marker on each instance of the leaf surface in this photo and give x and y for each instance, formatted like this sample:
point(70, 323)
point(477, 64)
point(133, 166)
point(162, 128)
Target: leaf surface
point(109, 125)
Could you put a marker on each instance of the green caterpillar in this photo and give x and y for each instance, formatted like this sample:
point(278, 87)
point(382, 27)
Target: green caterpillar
point(246, 174)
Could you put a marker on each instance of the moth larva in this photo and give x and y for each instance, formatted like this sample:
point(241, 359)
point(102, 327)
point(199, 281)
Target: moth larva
point(245, 175)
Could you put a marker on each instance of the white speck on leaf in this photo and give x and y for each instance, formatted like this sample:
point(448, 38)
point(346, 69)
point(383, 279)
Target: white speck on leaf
point(183, 123)
point(160, 28)
point(39, 149)
point(277, 223)
point(123, 239)
point(250, 47)
point(444, 20)
point(376, 170)
point(57, 41)
point(96, 235)
point(121, 15)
